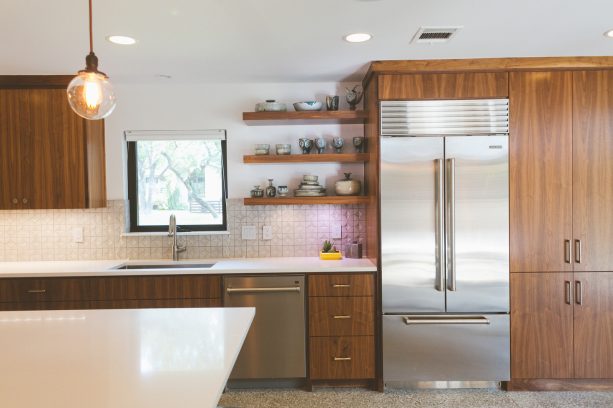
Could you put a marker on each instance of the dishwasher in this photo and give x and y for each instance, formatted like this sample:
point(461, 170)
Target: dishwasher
point(275, 345)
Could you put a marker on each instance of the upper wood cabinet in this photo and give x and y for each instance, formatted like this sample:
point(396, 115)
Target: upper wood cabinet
point(540, 161)
point(50, 157)
point(443, 86)
point(593, 170)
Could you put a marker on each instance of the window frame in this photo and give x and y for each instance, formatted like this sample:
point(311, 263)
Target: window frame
point(132, 176)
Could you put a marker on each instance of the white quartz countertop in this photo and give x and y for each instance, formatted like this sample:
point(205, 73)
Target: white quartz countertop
point(221, 266)
point(119, 358)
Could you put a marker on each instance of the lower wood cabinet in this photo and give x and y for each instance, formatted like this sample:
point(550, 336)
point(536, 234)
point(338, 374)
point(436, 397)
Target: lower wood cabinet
point(341, 324)
point(118, 292)
point(562, 325)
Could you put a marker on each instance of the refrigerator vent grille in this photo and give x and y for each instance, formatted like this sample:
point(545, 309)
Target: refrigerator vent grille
point(445, 117)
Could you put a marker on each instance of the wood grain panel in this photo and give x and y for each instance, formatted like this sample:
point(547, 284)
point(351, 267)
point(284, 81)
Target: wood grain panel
point(341, 316)
point(558, 385)
point(43, 289)
point(156, 287)
point(541, 326)
point(540, 161)
point(359, 349)
point(593, 328)
point(356, 284)
point(371, 171)
point(14, 112)
point(96, 164)
point(443, 86)
point(53, 305)
point(55, 165)
point(593, 168)
point(154, 304)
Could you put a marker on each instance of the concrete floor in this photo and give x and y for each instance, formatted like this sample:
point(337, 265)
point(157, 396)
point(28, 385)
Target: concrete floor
point(359, 398)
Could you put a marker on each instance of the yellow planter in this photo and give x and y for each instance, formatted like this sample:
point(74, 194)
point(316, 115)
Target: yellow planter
point(330, 256)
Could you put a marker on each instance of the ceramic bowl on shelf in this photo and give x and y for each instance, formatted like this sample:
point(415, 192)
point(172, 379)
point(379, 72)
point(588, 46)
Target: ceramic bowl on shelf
point(270, 106)
point(308, 106)
point(348, 186)
point(262, 149)
point(284, 149)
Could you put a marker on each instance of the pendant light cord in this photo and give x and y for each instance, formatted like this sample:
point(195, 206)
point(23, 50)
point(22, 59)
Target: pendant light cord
point(91, 33)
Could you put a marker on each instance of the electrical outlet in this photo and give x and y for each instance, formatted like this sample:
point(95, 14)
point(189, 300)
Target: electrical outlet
point(77, 235)
point(249, 232)
point(336, 232)
point(267, 232)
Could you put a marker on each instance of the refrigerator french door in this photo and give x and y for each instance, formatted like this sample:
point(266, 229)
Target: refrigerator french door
point(444, 242)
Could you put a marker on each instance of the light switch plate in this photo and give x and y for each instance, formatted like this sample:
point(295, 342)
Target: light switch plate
point(77, 235)
point(249, 232)
point(267, 232)
point(336, 232)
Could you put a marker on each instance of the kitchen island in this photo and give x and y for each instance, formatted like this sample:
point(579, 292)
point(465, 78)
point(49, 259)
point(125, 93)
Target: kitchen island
point(119, 358)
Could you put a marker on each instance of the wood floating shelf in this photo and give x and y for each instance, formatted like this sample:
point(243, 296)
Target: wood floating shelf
point(307, 200)
point(306, 116)
point(308, 158)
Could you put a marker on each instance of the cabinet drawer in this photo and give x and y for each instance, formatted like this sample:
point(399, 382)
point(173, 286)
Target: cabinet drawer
point(156, 287)
point(341, 316)
point(43, 290)
point(155, 304)
point(341, 285)
point(333, 358)
point(49, 305)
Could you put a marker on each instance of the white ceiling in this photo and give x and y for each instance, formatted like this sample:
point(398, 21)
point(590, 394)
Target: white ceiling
point(286, 40)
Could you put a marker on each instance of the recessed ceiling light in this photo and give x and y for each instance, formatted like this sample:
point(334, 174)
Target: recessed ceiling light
point(358, 37)
point(121, 39)
point(609, 34)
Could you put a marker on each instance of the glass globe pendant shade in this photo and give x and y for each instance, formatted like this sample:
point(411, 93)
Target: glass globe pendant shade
point(91, 95)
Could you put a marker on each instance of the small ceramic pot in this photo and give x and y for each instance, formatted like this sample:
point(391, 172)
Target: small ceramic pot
point(257, 192)
point(347, 187)
point(358, 143)
point(283, 149)
point(320, 143)
point(310, 178)
point(308, 106)
point(332, 103)
point(262, 149)
point(282, 191)
point(305, 144)
point(270, 106)
point(271, 191)
point(337, 143)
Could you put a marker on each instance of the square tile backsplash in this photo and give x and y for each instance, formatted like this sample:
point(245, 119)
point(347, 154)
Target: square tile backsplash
point(297, 230)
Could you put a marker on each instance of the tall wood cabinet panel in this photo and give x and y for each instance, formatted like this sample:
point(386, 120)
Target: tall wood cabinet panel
point(593, 324)
point(541, 325)
point(540, 161)
point(593, 170)
point(51, 157)
point(444, 86)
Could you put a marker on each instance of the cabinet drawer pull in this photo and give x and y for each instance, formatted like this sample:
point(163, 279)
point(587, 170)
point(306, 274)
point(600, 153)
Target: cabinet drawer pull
point(567, 293)
point(37, 290)
point(578, 251)
point(567, 254)
point(15, 201)
point(342, 317)
point(578, 293)
point(342, 358)
point(340, 285)
point(24, 200)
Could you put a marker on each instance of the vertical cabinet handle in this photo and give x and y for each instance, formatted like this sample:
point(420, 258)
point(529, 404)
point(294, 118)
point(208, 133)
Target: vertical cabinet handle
point(578, 293)
point(567, 251)
point(567, 293)
point(439, 208)
point(578, 251)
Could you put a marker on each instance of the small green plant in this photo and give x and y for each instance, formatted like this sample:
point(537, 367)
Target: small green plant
point(328, 247)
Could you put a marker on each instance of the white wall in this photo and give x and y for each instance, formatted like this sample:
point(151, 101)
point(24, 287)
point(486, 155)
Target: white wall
point(176, 106)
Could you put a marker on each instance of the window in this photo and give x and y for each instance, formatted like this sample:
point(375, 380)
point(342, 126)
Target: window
point(181, 173)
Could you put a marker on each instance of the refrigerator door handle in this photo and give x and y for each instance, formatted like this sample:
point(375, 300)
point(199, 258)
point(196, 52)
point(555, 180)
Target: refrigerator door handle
point(450, 220)
point(437, 319)
point(439, 204)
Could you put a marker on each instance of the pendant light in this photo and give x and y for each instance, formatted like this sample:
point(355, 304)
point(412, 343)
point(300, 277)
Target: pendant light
point(90, 94)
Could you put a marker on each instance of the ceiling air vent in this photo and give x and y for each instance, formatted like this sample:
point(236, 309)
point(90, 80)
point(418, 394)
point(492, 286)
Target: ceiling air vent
point(435, 34)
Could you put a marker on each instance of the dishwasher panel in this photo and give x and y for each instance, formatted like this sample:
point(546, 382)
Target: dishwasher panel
point(275, 345)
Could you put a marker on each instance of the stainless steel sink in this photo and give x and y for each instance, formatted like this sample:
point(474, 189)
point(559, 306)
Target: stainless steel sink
point(127, 266)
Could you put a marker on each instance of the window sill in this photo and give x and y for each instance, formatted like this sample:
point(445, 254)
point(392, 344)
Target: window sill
point(164, 234)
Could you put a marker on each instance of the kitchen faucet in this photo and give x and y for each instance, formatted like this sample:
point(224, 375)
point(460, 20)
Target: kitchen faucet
point(172, 232)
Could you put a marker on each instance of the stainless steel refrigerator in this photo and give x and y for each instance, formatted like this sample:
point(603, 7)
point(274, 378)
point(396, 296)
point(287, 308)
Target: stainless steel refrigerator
point(445, 242)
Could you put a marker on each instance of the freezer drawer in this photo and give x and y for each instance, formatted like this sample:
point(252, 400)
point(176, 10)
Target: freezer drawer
point(420, 348)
